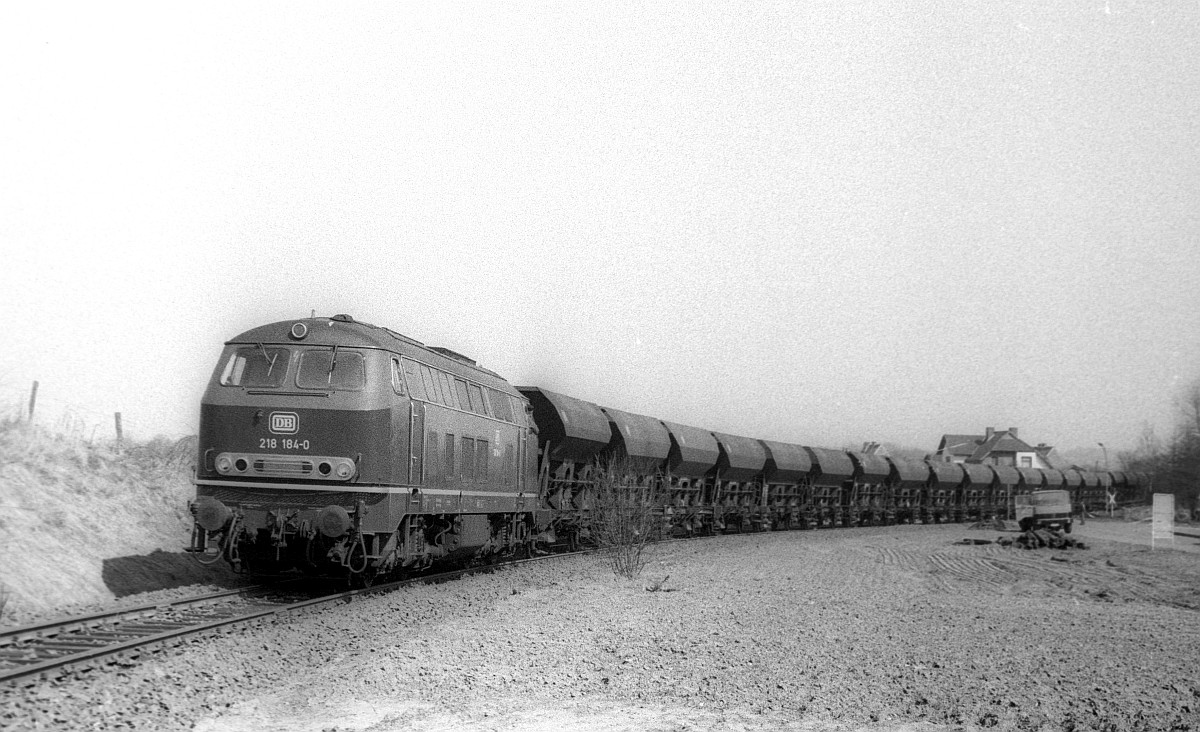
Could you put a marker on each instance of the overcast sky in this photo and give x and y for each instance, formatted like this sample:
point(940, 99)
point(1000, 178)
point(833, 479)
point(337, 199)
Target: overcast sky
point(814, 222)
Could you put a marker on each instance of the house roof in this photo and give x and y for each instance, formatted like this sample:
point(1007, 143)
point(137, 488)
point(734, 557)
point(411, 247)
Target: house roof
point(1001, 441)
point(963, 445)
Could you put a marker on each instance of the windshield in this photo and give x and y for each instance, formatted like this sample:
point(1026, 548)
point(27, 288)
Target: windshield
point(255, 366)
point(329, 369)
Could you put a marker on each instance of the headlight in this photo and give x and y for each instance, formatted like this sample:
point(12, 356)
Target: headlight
point(224, 464)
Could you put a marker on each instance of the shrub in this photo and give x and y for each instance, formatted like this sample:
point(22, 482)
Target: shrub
point(626, 515)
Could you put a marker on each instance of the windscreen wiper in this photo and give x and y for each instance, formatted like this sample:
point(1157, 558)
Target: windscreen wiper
point(269, 357)
point(332, 365)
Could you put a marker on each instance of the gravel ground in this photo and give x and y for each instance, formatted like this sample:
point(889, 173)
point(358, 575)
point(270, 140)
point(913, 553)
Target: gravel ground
point(863, 629)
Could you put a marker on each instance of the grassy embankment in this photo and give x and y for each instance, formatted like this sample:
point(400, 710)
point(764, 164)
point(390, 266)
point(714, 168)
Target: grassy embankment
point(82, 522)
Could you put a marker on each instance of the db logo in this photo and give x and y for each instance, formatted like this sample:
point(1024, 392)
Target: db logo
point(285, 423)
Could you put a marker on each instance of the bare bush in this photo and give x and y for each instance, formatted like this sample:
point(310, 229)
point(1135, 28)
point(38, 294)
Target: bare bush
point(626, 515)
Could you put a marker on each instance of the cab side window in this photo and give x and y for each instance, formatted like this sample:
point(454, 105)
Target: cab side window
point(397, 377)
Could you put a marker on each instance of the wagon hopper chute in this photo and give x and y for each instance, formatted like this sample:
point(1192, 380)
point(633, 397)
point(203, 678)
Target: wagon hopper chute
point(909, 480)
point(738, 501)
point(691, 462)
point(786, 475)
point(832, 477)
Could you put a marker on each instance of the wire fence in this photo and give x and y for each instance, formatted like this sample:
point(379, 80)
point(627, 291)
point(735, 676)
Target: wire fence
point(38, 405)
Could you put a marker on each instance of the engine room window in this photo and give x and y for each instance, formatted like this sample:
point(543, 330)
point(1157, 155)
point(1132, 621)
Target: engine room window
point(477, 403)
point(255, 366)
point(448, 389)
point(431, 386)
point(464, 401)
point(325, 370)
point(501, 406)
point(416, 387)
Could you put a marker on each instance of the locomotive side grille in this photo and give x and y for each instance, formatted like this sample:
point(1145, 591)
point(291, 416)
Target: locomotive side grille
point(282, 466)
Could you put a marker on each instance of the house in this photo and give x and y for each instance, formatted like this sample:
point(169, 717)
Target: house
point(995, 447)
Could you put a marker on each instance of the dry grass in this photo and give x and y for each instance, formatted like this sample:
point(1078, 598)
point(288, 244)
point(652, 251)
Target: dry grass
point(67, 504)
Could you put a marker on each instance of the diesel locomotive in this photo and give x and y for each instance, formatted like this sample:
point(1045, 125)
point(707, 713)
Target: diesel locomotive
point(339, 447)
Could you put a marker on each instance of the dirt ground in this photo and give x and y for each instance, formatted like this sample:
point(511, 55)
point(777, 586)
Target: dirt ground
point(897, 628)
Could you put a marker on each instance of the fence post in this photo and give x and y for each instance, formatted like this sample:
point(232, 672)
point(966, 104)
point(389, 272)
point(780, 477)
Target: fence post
point(32, 400)
point(117, 421)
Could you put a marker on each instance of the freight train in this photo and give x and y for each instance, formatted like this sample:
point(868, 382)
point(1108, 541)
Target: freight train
point(335, 446)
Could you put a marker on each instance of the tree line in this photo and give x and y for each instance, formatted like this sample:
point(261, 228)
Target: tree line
point(1173, 465)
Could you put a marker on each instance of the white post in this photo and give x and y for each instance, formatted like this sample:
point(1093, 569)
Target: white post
point(1162, 525)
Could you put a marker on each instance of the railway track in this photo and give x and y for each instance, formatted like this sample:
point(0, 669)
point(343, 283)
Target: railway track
point(33, 652)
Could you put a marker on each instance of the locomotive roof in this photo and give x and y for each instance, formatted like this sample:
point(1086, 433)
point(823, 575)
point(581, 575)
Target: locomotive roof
point(345, 331)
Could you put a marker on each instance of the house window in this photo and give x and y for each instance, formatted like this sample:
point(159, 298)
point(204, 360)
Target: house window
point(1026, 461)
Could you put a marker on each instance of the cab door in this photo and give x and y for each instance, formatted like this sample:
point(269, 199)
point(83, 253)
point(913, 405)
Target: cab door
point(416, 444)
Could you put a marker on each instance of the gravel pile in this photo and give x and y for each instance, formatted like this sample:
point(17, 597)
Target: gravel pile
point(895, 628)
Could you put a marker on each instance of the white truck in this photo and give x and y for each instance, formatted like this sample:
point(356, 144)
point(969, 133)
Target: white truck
point(1044, 510)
